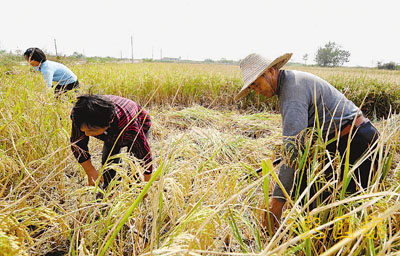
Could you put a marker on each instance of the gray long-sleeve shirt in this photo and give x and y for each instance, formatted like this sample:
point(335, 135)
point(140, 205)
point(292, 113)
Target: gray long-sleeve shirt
point(300, 94)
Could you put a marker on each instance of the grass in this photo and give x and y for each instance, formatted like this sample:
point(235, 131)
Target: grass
point(203, 145)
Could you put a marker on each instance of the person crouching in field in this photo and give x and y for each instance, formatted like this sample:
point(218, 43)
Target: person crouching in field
point(306, 102)
point(52, 71)
point(117, 121)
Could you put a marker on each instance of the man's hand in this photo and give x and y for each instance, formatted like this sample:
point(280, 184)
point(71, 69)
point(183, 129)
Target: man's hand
point(274, 213)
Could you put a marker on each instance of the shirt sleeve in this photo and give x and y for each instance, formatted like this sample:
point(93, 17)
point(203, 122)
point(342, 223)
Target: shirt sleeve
point(294, 121)
point(48, 76)
point(287, 170)
point(79, 144)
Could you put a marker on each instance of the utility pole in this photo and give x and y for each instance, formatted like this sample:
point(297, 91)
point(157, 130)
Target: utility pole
point(132, 47)
point(161, 54)
point(55, 46)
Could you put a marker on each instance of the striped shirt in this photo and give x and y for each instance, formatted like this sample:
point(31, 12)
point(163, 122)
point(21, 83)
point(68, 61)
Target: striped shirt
point(131, 121)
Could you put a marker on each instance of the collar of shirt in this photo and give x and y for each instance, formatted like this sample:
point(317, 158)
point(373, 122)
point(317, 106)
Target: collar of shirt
point(41, 65)
point(281, 78)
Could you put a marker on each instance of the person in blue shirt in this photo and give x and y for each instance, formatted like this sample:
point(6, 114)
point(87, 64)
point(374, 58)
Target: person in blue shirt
point(52, 71)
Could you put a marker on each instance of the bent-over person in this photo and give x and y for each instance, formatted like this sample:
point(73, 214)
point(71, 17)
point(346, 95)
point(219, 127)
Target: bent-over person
point(65, 80)
point(301, 95)
point(117, 121)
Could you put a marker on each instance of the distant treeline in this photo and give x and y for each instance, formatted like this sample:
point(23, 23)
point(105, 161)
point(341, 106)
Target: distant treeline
point(8, 59)
point(390, 66)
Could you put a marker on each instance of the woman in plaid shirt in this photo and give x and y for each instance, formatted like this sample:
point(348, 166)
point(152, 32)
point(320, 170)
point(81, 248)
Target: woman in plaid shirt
point(114, 120)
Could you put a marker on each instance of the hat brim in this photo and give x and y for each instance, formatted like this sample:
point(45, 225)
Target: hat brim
point(278, 63)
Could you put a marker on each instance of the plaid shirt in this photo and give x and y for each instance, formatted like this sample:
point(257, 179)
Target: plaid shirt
point(131, 120)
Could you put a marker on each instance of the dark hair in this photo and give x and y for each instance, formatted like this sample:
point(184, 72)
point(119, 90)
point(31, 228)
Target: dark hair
point(93, 110)
point(35, 54)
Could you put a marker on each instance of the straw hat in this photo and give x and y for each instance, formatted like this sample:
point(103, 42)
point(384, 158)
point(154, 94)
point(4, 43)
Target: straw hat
point(254, 65)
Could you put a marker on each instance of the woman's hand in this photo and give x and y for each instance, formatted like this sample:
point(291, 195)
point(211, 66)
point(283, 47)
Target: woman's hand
point(92, 177)
point(91, 172)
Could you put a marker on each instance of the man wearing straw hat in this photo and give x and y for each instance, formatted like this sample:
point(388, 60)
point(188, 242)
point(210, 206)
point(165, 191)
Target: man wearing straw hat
point(308, 102)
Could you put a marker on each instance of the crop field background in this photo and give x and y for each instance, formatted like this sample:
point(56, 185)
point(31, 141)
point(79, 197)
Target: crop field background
point(205, 197)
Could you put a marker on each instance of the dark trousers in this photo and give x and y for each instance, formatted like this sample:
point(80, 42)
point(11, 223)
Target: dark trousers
point(109, 173)
point(363, 138)
point(61, 89)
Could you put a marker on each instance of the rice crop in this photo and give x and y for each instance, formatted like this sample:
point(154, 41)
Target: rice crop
point(215, 85)
point(204, 145)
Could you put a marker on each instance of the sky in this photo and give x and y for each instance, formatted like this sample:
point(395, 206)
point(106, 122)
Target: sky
point(204, 29)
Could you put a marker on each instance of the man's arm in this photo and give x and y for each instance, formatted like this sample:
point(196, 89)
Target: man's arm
point(294, 120)
point(275, 212)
